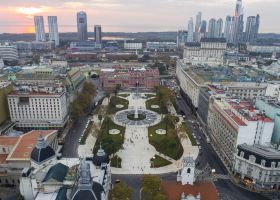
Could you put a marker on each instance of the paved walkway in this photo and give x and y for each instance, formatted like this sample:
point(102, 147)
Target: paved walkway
point(137, 151)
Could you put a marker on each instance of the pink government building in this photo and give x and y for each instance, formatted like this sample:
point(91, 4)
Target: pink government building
point(129, 77)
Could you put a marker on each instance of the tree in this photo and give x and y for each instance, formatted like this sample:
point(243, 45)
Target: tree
point(100, 118)
point(76, 110)
point(121, 192)
point(89, 88)
point(152, 187)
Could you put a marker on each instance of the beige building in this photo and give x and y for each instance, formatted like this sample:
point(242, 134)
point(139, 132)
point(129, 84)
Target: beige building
point(5, 89)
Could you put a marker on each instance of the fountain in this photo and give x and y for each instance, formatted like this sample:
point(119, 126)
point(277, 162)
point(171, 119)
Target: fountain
point(136, 114)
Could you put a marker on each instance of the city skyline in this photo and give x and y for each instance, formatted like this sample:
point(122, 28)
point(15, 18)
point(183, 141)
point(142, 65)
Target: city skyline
point(119, 15)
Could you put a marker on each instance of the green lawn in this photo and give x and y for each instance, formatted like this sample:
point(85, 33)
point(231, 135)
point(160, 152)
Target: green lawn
point(115, 101)
point(110, 143)
point(124, 95)
point(159, 162)
point(150, 95)
point(132, 117)
point(168, 144)
point(116, 162)
point(155, 101)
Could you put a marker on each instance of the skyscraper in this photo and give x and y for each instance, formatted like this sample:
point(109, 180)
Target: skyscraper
point(197, 25)
point(98, 34)
point(39, 28)
point(202, 29)
point(190, 30)
point(53, 30)
point(227, 30)
point(212, 28)
point(238, 23)
point(82, 26)
point(252, 28)
point(219, 28)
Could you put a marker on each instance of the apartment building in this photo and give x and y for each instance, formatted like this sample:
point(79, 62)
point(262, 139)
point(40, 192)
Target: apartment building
point(232, 122)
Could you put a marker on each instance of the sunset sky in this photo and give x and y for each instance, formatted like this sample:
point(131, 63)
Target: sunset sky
point(16, 16)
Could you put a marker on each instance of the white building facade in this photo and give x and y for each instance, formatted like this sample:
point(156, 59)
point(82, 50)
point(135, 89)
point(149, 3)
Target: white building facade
point(53, 30)
point(38, 108)
point(209, 51)
point(233, 122)
point(8, 52)
point(39, 28)
point(258, 166)
point(130, 45)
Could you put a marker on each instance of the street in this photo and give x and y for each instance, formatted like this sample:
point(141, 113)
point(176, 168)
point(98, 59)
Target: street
point(225, 187)
point(72, 138)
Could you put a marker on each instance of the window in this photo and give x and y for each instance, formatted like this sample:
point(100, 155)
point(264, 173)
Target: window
point(189, 170)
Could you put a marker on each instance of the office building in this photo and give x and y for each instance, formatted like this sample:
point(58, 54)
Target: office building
point(238, 23)
point(38, 107)
point(39, 28)
point(5, 89)
point(258, 167)
point(132, 45)
point(271, 108)
point(24, 46)
point(202, 30)
point(219, 28)
point(82, 26)
point(212, 28)
point(209, 51)
point(161, 46)
point(98, 34)
point(190, 31)
point(252, 29)
point(232, 122)
point(182, 36)
point(197, 26)
point(9, 53)
point(259, 48)
point(53, 30)
point(228, 29)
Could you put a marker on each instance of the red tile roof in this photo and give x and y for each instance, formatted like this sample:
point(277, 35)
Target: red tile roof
point(8, 141)
point(174, 190)
point(26, 143)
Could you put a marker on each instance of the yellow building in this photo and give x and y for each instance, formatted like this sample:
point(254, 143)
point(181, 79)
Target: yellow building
point(5, 88)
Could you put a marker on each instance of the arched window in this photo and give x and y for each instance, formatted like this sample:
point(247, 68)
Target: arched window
point(189, 170)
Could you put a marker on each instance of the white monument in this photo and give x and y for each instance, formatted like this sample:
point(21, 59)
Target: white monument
point(186, 174)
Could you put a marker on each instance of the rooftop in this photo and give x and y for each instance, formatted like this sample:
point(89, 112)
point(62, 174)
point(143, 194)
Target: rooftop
point(264, 151)
point(25, 144)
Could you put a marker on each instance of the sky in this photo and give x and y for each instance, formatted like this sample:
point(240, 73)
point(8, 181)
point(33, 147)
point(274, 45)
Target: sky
point(16, 16)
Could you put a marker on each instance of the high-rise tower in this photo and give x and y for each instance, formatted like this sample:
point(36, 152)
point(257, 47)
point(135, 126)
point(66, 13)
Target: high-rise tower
point(39, 28)
point(53, 30)
point(82, 26)
point(197, 25)
point(190, 30)
point(252, 28)
point(212, 28)
point(219, 28)
point(98, 34)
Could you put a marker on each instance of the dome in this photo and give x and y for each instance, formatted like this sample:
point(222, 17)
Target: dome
point(93, 193)
point(42, 152)
point(100, 157)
